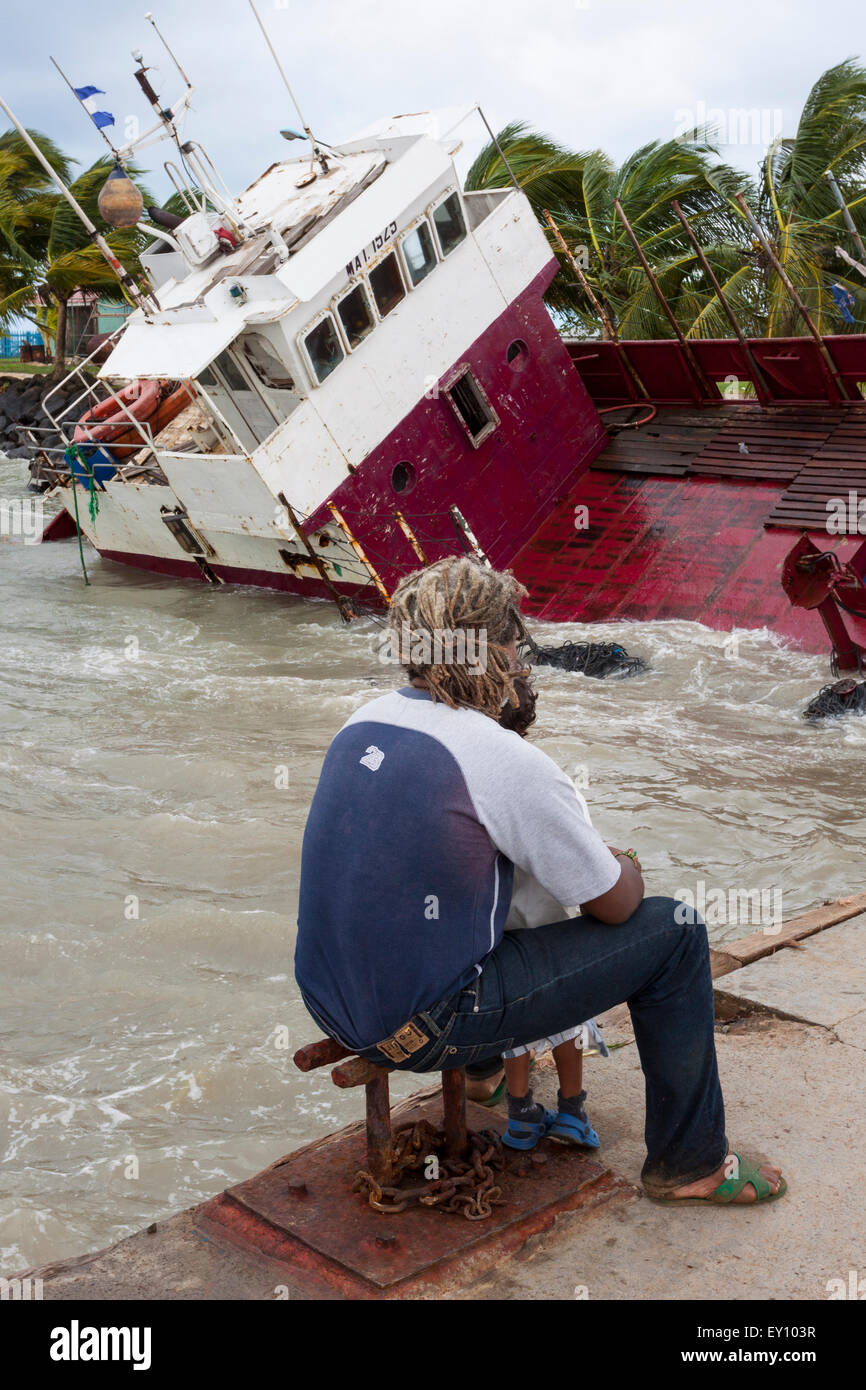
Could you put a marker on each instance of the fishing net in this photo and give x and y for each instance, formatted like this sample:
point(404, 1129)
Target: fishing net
point(599, 659)
point(844, 697)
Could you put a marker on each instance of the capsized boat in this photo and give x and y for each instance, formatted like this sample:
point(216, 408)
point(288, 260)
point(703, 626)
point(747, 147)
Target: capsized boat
point(374, 382)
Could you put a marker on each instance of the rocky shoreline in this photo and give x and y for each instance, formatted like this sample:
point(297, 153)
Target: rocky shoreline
point(24, 426)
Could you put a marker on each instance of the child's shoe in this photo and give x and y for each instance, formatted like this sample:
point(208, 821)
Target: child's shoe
point(571, 1125)
point(527, 1122)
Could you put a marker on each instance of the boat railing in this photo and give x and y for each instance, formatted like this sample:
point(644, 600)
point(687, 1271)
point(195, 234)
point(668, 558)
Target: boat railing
point(65, 411)
point(94, 390)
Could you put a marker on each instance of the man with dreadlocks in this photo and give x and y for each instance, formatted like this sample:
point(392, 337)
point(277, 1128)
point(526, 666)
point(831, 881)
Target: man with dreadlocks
point(425, 805)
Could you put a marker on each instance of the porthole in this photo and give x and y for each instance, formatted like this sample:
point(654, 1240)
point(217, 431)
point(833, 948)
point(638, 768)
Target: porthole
point(517, 355)
point(403, 477)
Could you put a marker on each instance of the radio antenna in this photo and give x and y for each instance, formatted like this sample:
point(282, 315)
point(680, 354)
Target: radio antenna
point(307, 131)
point(148, 16)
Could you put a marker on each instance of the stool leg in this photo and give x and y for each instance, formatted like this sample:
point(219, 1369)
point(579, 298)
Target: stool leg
point(454, 1111)
point(380, 1158)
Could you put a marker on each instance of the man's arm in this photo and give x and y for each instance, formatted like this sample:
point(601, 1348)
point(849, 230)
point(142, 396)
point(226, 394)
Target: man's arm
point(620, 901)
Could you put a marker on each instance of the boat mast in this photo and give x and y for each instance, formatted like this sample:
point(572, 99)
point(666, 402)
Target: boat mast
point(317, 153)
point(144, 302)
point(846, 215)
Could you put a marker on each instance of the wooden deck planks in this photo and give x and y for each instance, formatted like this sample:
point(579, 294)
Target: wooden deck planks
point(813, 453)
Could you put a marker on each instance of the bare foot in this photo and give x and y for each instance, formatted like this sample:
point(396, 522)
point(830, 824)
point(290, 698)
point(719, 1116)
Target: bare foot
point(704, 1186)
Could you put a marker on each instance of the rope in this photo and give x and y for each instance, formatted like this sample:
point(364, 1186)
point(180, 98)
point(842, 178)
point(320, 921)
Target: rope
point(68, 454)
point(844, 697)
point(599, 659)
point(74, 451)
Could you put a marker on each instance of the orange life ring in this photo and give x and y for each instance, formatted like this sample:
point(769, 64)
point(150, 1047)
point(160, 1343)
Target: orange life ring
point(106, 421)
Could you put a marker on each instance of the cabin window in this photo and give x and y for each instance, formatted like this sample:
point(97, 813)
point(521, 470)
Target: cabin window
point(270, 370)
point(386, 282)
point(449, 223)
point(472, 408)
point(230, 372)
point(323, 348)
point(250, 410)
point(356, 316)
point(419, 252)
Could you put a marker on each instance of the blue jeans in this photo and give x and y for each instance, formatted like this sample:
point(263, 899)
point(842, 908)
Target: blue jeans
point(544, 980)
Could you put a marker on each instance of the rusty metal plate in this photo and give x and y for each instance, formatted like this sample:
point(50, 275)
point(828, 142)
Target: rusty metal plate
point(302, 1214)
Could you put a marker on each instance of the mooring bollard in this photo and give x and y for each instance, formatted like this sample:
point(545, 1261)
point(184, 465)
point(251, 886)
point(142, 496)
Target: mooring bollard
point(352, 1071)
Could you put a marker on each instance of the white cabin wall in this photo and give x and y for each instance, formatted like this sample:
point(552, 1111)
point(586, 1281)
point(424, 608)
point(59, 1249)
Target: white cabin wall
point(513, 245)
point(376, 387)
point(407, 353)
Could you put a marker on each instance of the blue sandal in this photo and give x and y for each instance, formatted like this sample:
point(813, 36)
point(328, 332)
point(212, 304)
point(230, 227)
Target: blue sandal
point(575, 1129)
point(523, 1134)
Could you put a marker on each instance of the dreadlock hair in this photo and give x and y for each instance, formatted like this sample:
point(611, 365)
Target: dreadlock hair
point(453, 596)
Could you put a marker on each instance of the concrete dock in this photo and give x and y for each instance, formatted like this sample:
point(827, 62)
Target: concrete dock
point(791, 1037)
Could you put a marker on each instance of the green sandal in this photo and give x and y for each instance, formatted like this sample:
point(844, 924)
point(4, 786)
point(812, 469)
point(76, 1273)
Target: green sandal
point(726, 1193)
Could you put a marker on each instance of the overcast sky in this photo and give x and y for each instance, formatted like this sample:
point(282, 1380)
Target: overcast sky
point(593, 73)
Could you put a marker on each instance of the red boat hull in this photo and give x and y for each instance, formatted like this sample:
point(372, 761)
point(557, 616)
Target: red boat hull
point(663, 548)
point(680, 519)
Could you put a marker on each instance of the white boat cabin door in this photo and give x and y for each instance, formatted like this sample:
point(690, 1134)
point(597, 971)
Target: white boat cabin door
point(252, 387)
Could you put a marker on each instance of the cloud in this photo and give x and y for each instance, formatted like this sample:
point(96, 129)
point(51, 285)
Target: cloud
point(612, 75)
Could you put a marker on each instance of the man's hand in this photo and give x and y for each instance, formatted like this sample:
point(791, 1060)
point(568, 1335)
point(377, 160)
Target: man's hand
point(626, 895)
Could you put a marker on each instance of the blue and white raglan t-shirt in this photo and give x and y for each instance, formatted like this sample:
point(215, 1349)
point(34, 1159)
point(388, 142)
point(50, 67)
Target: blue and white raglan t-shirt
point(420, 815)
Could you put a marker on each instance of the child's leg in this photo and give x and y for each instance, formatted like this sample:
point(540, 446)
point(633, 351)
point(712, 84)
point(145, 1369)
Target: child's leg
point(528, 1121)
point(517, 1074)
point(572, 1123)
point(569, 1068)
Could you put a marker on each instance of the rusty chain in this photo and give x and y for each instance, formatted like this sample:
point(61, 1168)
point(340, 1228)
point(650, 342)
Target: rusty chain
point(467, 1185)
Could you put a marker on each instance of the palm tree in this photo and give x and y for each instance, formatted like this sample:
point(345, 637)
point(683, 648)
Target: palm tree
point(47, 250)
point(793, 203)
point(580, 189)
point(798, 210)
point(22, 175)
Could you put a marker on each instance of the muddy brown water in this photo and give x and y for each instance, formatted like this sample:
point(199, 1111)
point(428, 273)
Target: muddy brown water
point(151, 848)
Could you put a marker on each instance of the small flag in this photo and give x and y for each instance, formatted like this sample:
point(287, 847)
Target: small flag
point(844, 301)
point(87, 96)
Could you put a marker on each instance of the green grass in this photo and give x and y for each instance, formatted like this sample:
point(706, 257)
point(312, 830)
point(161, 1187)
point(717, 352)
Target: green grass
point(13, 366)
